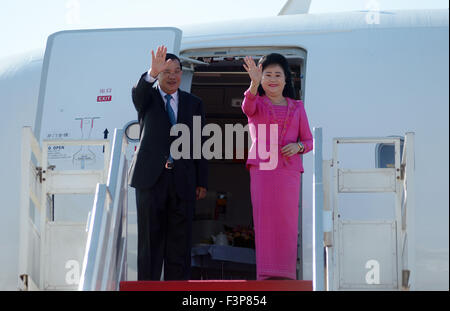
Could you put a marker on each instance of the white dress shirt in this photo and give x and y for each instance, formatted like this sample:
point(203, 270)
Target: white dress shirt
point(173, 101)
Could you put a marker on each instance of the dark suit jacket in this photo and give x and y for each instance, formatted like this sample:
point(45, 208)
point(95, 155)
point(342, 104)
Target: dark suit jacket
point(154, 147)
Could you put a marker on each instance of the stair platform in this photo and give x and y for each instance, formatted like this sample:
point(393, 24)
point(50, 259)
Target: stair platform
point(217, 285)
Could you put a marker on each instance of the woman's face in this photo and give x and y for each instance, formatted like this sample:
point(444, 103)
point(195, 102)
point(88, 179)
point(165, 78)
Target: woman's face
point(273, 80)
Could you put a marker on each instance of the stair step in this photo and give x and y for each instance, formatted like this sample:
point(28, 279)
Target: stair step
point(217, 285)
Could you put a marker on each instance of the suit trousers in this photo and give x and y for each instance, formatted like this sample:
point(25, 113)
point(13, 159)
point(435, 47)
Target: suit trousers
point(164, 231)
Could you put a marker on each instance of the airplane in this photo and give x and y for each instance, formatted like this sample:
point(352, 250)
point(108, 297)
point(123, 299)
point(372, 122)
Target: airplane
point(374, 84)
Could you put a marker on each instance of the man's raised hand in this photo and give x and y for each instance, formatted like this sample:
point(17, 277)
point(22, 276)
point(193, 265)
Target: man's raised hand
point(159, 62)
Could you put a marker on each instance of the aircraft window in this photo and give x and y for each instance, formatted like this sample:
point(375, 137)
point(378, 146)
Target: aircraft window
point(385, 155)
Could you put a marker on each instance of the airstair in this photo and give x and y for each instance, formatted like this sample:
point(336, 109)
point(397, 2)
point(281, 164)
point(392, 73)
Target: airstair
point(375, 254)
point(68, 255)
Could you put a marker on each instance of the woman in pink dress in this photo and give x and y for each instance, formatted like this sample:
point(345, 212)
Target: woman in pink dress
point(279, 122)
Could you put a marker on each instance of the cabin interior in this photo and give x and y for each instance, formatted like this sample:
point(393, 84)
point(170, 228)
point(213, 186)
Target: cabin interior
point(221, 82)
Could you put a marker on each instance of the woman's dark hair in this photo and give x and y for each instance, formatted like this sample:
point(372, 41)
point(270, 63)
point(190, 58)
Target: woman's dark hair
point(278, 59)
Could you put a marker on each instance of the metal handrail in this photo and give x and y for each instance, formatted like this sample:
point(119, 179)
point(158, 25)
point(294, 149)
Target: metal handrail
point(104, 264)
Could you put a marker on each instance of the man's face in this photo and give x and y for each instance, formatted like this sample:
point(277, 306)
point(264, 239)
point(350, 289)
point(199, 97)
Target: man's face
point(170, 79)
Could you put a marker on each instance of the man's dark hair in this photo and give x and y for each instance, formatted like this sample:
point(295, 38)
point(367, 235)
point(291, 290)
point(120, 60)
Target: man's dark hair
point(173, 57)
point(278, 59)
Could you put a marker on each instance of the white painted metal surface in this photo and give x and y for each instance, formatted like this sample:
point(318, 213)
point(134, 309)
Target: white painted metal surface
point(94, 71)
point(64, 248)
point(295, 7)
point(51, 251)
point(365, 254)
point(379, 180)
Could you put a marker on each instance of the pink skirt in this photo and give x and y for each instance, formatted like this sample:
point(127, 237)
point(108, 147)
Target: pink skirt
point(275, 199)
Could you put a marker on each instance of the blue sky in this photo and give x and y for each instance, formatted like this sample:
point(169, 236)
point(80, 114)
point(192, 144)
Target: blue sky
point(26, 24)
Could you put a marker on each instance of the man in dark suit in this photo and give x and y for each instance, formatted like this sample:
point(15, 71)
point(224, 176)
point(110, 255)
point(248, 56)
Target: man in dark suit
point(166, 188)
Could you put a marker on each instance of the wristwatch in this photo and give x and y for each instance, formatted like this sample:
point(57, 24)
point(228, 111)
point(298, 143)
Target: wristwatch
point(301, 147)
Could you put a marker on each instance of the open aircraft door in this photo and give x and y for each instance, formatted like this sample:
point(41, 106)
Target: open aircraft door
point(88, 75)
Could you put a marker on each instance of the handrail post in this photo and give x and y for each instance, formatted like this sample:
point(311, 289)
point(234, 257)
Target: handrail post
point(410, 213)
point(24, 202)
point(318, 256)
point(43, 219)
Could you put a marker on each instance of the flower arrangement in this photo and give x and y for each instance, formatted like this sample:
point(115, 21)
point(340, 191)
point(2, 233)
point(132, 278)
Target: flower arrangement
point(240, 236)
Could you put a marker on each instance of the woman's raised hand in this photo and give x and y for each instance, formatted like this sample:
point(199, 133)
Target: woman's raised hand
point(255, 72)
point(159, 62)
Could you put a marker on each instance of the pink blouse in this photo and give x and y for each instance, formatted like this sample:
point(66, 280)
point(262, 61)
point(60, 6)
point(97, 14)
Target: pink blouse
point(280, 114)
point(292, 124)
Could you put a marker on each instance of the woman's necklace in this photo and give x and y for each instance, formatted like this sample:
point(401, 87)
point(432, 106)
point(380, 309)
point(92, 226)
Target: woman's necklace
point(273, 117)
point(283, 121)
point(281, 102)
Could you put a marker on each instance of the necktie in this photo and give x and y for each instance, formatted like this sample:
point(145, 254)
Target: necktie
point(170, 110)
point(171, 115)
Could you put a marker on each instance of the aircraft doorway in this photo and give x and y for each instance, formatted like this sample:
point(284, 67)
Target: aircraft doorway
point(220, 80)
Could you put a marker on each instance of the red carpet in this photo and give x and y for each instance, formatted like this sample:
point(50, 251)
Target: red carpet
point(219, 285)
